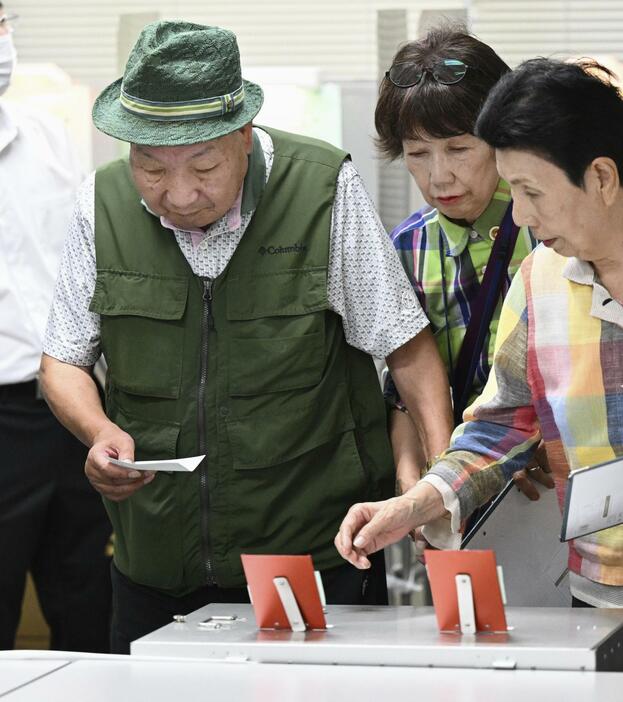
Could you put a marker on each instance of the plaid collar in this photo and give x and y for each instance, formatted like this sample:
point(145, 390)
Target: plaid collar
point(603, 306)
point(578, 271)
point(458, 236)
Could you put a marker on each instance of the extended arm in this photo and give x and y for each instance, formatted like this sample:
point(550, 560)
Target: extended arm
point(499, 438)
point(409, 456)
point(422, 382)
point(370, 526)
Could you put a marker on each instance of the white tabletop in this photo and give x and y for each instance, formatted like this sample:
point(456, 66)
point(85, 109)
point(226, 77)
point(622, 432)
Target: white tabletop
point(132, 680)
point(15, 673)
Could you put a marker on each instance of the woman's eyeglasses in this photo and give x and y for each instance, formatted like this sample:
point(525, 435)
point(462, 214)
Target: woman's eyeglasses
point(408, 74)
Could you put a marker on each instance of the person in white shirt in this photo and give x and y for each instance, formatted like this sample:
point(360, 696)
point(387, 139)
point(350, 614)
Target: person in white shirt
point(51, 523)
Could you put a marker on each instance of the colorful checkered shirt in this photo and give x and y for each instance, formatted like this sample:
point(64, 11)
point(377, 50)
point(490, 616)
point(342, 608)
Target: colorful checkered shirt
point(557, 374)
point(422, 239)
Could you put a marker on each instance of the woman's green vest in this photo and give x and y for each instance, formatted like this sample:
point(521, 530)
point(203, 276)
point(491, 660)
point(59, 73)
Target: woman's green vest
point(251, 369)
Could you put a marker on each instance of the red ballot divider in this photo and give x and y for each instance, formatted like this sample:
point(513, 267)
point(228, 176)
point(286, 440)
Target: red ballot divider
point(261, 571)
point(443, 567)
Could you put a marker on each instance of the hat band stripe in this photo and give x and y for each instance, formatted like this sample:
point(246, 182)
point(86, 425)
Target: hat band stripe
point(190, 109)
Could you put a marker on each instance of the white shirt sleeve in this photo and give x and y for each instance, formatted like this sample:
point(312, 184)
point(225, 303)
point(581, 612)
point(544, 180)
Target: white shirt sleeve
point(367, 285)
point(444, 533)
point(37, 192)
point(73, 333)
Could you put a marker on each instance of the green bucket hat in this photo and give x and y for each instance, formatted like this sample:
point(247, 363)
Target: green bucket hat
point(182, 85)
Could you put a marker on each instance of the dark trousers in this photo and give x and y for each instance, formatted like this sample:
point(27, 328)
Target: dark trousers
point(139, 610)
point(53, 524)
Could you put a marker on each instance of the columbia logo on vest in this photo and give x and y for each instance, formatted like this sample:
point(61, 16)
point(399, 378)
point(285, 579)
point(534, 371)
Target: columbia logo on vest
point(272, 250)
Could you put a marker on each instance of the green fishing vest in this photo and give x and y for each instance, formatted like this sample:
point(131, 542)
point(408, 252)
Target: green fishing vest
point(251, 369)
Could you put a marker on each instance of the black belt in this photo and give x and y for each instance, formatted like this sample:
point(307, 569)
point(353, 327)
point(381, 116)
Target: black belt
point(28, 390)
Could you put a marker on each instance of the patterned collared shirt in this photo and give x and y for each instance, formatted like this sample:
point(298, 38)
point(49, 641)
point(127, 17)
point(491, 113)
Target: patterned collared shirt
point(434, 249)
point(557, 375)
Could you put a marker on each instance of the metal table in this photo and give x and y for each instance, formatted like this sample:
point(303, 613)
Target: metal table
point(538, 638)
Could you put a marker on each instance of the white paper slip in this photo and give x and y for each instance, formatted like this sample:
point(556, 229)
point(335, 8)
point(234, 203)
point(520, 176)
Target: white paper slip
point(176, 465)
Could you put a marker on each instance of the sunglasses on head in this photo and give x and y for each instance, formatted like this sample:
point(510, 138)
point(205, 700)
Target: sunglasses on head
point(408, 74)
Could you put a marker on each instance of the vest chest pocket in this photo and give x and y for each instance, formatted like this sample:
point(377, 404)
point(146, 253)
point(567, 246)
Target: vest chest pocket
point(291, 359)
point(277, 341)
point(142, 330)
point(286, 369)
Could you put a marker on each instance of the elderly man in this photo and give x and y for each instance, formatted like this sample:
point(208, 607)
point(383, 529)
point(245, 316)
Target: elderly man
point(51, 522)
point(236, 281)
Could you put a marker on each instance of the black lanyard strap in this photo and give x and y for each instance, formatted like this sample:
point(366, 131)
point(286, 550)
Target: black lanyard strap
point(481, 313)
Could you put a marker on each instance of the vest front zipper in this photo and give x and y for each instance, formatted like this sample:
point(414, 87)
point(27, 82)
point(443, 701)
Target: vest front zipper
point(207, 326)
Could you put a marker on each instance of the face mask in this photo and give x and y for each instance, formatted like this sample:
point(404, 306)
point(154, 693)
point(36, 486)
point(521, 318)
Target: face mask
point(7, 61)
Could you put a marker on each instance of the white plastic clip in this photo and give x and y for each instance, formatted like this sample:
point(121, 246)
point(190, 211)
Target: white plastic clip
point(319, 585)
point(290, 605)
point(500, 571)
point(465, 600)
